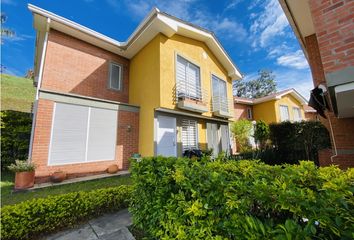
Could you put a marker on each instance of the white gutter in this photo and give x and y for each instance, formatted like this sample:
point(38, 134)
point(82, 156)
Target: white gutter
point(72, 24)
point(136, 34)
point(141, 25)
point(39, 83)
point(44, 50)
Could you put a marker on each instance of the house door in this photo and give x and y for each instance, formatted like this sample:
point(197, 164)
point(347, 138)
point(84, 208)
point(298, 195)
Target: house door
point(213, 137)
point(166, 136)
point(224, 133)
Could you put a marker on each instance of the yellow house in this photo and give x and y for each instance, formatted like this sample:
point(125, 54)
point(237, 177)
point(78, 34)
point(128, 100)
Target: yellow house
point(286, 105)
point(165, 90)
point(182, 80)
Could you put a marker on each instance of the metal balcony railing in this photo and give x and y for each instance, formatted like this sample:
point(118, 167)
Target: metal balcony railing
point(221, 103)
point(185, 90)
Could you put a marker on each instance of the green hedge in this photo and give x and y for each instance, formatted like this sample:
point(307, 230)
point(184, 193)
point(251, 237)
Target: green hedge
point(294, 141)
point(44, 215)
point(15, 136)
point(187, 199)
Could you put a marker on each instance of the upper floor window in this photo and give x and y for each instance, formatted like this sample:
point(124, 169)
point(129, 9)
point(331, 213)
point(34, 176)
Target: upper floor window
point(249, 113)
point(115, 76)
point(219, 93)
point(297, 114)
point(187, 79)
point(284, 113)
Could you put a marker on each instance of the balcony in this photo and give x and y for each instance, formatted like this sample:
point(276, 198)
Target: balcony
point(191, 97)
point(222, 107)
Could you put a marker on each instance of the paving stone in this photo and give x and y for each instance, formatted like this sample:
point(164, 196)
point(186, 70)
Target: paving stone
point(111, 222)
point(122, 234)
point(84, 232)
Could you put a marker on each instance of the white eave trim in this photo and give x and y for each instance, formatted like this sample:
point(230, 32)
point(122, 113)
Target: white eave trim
point(72, 24)
point(174, 26)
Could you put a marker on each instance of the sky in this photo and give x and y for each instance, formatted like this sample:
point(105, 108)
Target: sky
point(255, 33)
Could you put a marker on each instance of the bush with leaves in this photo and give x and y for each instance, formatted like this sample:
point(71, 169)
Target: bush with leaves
point(176, 198)
point(15, 136)
point(261, 133)
point(241, 131)
point(29, 219)
point(298, 140)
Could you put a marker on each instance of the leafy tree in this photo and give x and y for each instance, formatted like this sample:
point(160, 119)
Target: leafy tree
point(29, 74)
point(5, 32)
point(261, 133)
point(241, 130)
point(262, 86)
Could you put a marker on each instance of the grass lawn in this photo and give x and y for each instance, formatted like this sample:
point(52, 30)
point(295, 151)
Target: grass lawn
point(17, 93)
point(8, 198)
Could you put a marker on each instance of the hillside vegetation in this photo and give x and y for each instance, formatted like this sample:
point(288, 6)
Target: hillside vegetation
point(17, 93)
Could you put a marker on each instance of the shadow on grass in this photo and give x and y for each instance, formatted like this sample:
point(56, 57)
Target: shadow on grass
point(10, 198)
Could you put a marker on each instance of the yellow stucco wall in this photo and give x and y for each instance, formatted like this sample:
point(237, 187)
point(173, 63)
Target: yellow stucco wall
point(265, 111)
point(270, 111)
point(144, 91)
point(290, 101)
point(153, 78)
point(196, 52)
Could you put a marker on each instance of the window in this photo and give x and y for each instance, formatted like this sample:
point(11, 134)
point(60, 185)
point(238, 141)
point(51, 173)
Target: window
point(219, 94)
point(115, 76)
point(297, 114)
point(189, 134)
point(249, 113)
point(187, 79)
point(284, 113)
point(82, 134)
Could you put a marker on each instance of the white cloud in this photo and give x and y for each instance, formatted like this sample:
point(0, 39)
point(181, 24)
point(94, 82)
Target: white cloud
point(9, 2)
point(16, 38)
point(250, 76)
point(295, 60)
point(188, 10)
point(270, 23)
point(301, 80)
point(232, 4)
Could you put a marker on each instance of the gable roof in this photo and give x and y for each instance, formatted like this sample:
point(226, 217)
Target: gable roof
point(154, 23)
point(273, 96)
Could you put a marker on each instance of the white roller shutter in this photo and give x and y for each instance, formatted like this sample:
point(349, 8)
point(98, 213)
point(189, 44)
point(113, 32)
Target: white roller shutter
point(82, 134)
point(102, 134)
point(189, 134)
point(68, 141)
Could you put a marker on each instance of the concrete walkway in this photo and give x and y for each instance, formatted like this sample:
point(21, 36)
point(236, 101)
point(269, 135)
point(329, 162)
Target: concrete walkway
point(107, 227)
point(79, 179)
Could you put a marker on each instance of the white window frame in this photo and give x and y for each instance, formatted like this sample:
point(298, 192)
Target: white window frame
point(249, 113)
point(196, 133)
point(281, 119)
point(120, 80)
point(189, 62)
point(297, 110)
point(87, 136)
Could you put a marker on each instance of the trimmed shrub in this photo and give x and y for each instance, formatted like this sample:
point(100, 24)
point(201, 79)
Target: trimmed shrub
point(241, 131)
point(188, 199)
point(15, 136)
point(299, 140)
point(44, 215)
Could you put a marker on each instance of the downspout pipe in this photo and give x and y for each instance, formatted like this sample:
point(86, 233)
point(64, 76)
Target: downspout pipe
point(40, 76)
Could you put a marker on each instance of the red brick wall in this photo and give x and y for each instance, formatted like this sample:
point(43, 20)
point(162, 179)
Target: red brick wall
point(332, 49)
point(127, 143)
point(128, 136)
point(342, 161)
point(334, 25)
point(315, 60)
point(240, 111)
point(74, 66)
